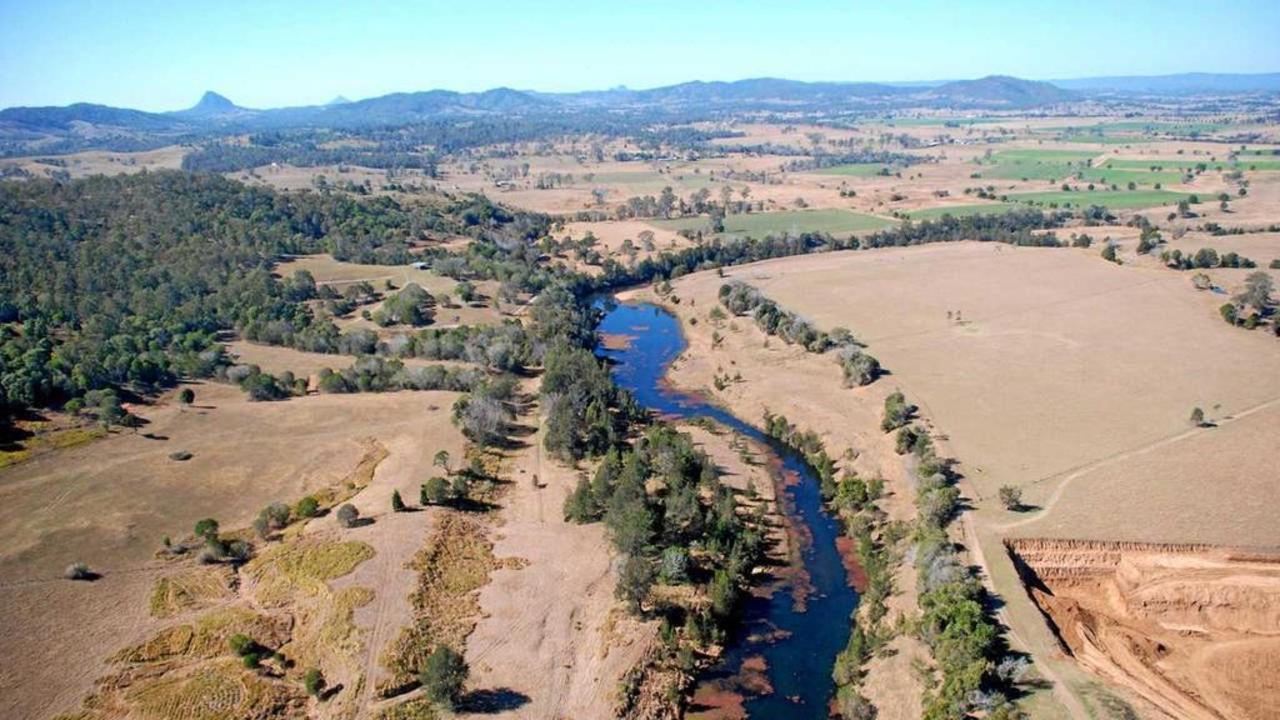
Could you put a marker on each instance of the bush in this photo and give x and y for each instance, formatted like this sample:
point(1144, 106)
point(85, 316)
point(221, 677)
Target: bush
point(78, 571)
point(242, 644)
point(207, 528)
point(1010, 497)
point(308, 507)
point(181, 456)
point(896, 412)
point(314, 682)
point(348, 515)
point(397, 502)
point(443, 676)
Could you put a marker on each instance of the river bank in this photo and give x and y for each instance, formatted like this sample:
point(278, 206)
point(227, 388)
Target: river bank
point(758, 374)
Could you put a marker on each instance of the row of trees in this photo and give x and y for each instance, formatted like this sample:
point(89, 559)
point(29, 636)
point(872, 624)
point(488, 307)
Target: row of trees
point(859, 368)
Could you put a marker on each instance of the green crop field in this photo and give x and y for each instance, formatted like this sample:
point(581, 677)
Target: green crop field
point(1110, 175)
point(1035, 164)
point(1105, 139)
point(1245, 162)
point(858, 170)
point(836, 222)
point(1115, 200)
point(962, 210)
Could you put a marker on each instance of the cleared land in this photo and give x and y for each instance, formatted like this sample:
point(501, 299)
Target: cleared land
point(1042, 374)
point(110, 502)
point(836, 222)
point(1113, 199)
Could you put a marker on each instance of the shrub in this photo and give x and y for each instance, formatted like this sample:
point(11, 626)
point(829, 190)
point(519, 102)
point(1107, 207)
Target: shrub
point(314, 682)
point(242, 644)
point(187, 396)
point(181, 456)
point(1010, 497)
point(896, 412)
point(308, 507)
point(1197, 417)
point(348, 515)
point(443, 675)
point(397, 502)
point(207, 528)
point(78, 571)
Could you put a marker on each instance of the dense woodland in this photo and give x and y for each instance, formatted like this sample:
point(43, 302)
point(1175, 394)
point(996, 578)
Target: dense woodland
point(129, 281)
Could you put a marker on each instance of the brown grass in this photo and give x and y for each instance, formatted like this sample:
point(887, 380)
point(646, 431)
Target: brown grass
point(452, 566)
point(191, 589)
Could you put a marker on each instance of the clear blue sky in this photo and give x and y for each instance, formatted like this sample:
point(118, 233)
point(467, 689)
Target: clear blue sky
point(264, 53)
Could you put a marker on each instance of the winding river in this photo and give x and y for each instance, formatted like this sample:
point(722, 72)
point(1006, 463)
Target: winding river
point(798, 642)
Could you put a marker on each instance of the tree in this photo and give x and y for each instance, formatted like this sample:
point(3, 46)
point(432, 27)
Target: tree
point(397, 502)
point(1010, 497)
point(435, 491)
point(1257, 291)
point(1230, 313)
point(78, 571)
point(187, 396)
point(348, 514)
point(1197, 417)
point(634, 582)
point(314, 682)
point(1109, 253)
point(308, 507)
point(443, 676)
point(460, 487)
point(441, 461)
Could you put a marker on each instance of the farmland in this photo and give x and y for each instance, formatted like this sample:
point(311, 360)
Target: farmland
point(836, 222)
point(1012, 357)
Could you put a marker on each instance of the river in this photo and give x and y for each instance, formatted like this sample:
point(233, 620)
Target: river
point(798, 643)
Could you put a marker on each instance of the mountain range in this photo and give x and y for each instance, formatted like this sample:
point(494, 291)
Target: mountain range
point(215, 112)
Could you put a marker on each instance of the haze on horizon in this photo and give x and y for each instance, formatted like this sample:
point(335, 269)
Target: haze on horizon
point(152, 56)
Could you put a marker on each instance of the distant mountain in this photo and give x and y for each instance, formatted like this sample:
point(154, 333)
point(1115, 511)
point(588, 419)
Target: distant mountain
point(764, 90)
point(213, 106)
point(67, 118)
point(23, 127)
point(1002, 90)
point(1180, 84)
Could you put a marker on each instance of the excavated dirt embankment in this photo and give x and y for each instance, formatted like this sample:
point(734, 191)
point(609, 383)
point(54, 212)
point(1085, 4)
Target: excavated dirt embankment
point(1194, 630)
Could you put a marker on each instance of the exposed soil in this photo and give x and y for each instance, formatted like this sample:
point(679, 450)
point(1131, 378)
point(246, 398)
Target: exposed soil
point(1192, 630)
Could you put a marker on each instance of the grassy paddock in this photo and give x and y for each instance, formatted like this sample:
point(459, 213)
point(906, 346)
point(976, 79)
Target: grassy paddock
point(835, 222)
point(854, 170)
point(962, 210)
point(1114, 199)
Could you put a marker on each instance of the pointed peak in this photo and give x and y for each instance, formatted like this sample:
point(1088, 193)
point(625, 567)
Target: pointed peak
point(212, 102)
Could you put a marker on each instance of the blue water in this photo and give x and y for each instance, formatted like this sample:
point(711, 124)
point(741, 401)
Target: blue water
point(800, 657)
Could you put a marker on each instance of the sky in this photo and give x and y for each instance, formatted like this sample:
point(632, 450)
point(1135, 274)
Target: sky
point(265, 53)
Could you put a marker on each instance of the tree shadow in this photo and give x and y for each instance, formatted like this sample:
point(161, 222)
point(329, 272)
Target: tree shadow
point(495, 700)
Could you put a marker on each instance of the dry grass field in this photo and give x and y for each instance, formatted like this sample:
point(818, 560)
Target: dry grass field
point(338, 274)
point(101, 162)
point(1060, 360)
point(110, 502)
